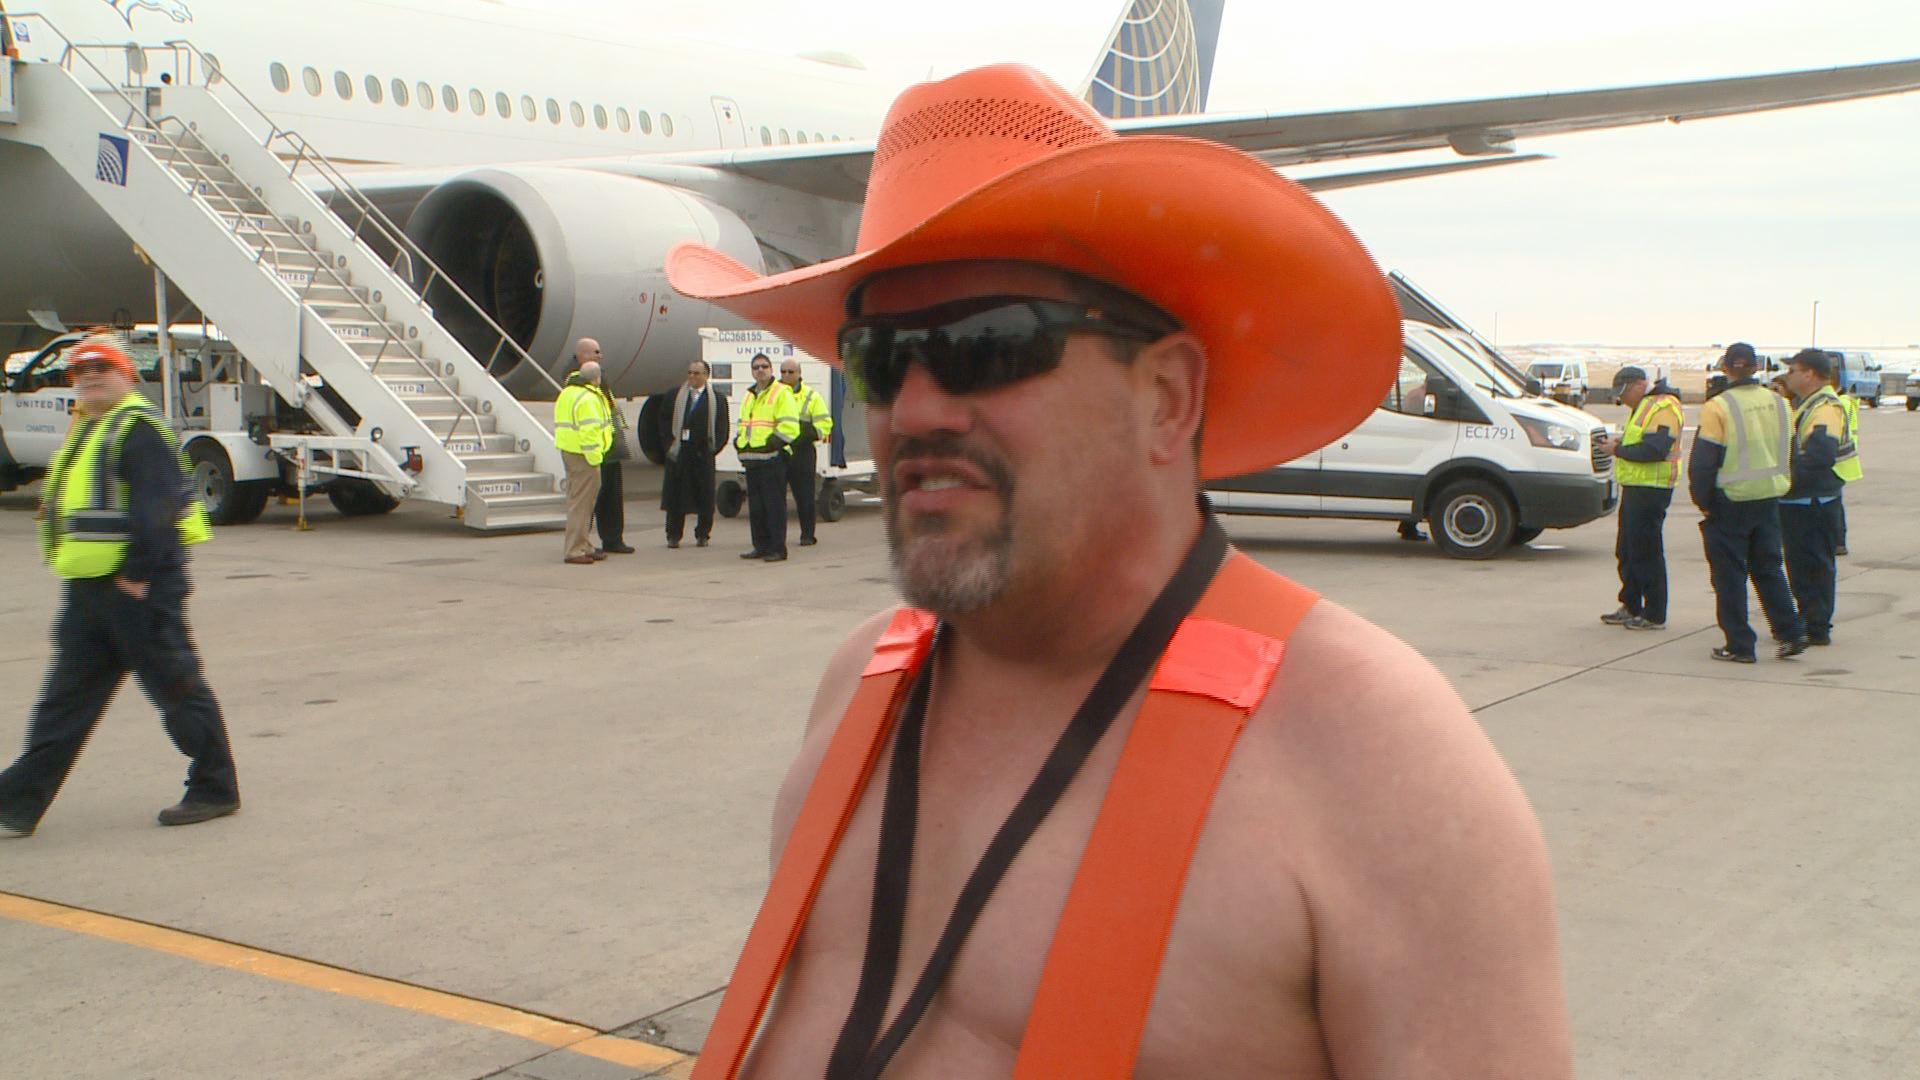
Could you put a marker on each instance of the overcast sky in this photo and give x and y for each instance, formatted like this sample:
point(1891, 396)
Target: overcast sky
point(1666, 234)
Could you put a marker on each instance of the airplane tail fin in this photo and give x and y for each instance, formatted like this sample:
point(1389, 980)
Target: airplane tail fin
point(1158, 60)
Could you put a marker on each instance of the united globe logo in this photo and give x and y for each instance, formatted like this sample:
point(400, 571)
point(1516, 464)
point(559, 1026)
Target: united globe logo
point(110, 163)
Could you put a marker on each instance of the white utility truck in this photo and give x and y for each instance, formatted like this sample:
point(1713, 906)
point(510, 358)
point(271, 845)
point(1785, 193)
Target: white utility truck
point(844, 465)
point(1461, 441)
point(225, 417)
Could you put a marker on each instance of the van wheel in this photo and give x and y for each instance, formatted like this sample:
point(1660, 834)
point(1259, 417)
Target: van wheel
point(730, 498)
point(1873, 402)
point(228, 501)
point(1472, 519)
point(1526, 536)
point(1913, 402)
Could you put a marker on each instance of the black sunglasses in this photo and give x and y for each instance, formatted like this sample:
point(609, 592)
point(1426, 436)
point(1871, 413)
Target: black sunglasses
point(970, 345)
point(89, 367)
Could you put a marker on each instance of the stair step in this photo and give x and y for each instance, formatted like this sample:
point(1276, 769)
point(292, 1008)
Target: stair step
point(400, 366)
point(536, 517)
point(467, 445)
point(251, 225)
point(357, 327)
point(435, 403)
point(384, 346)
point(445, 425)
point(490, 463)
point(494, 487)
point(342, 308)
point(420, 384)
point(290, 255)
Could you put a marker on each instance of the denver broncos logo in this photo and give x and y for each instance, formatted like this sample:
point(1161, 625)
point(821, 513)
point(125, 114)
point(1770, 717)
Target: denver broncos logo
point(172, 9)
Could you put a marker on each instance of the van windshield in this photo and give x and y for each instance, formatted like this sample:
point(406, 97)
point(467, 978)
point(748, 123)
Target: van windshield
point(1481, 370)
point(1544, 371)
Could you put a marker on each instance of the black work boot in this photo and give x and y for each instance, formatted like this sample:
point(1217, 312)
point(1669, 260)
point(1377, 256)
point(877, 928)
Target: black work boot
point(191, 811)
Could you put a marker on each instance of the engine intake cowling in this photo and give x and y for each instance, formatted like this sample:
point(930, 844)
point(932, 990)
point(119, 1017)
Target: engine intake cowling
point(552, 255)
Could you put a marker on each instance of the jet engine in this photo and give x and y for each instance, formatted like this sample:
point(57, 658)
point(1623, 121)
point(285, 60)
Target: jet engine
point(552, 255)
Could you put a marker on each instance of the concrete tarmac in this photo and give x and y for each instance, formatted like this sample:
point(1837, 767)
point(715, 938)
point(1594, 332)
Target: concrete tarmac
point(508, 817)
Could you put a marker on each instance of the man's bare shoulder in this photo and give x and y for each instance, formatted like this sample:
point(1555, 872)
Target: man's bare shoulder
point(830, 700)
point(1421, 861)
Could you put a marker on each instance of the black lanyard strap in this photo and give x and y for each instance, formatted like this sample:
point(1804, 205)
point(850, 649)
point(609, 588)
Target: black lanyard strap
point(855, 1054)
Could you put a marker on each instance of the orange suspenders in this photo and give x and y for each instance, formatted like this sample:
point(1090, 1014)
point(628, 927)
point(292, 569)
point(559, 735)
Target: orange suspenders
point(1105, 958)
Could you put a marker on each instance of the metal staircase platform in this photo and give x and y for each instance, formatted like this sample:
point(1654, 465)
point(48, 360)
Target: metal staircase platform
point(292, 280)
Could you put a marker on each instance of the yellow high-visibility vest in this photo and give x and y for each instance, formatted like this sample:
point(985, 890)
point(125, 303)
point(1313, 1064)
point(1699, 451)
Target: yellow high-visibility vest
point(581, 424)
point(87, 529)
point(813, 409)
point(767, 413)
point(1759, 447)
point(1650, 473)
point(1848, 468)
point(1849, 453)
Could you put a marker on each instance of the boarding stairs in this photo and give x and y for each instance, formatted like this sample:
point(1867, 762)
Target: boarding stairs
point(334, 326)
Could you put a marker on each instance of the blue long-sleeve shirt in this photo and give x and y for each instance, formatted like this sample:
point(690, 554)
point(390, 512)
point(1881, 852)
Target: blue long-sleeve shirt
point(152, 473)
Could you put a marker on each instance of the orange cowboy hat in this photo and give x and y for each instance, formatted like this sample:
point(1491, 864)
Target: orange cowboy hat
point(1301, 330)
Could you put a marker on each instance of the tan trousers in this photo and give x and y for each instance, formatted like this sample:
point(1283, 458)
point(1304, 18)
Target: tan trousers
point(583, 488)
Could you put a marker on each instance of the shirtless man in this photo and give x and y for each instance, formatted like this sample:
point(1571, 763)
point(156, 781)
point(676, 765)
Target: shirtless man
point(1370, 894)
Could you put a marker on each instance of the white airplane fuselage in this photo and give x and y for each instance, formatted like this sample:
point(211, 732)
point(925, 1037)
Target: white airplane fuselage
point(604, 89)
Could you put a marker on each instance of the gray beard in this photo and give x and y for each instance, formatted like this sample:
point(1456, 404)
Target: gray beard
point(930, 574)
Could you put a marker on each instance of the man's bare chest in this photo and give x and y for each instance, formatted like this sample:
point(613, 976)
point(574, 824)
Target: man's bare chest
point(1237, 965)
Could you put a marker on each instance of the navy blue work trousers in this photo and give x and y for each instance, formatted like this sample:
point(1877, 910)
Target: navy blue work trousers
point(1641, 550)
point(1743, 543)
point(767, 505)
point(1810, 534)
point(100, 636)
point(802, 463)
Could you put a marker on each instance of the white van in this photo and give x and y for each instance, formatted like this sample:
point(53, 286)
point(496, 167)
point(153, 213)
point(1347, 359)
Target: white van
point(1562, 380)
point(1458, 441)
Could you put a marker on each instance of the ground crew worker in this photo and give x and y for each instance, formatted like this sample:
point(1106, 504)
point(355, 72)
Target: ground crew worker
point(609, 503)
point(816, 426)
point(1848, 469)
point(769, 423)
point(1739, 470)
point(583, 432)
point(1289, 850)
point(116, 519)
point(1810, 516)
point(1646, 462)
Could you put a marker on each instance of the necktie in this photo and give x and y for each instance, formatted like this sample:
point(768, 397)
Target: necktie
point(693, 402)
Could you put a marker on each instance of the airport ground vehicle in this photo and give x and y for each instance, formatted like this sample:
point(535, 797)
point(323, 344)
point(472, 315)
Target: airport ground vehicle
point(1563, 380)
point(1459, 441)
point(1859, 375)
point(1913, 389)
point(225, 419)
point(844, 469)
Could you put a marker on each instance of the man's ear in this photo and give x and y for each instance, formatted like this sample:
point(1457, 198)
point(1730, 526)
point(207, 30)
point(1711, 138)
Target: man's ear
point(1171, 374)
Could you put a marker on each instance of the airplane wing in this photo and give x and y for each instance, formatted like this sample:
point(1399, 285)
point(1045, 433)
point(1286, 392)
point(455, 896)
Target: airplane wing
point(1484, 129)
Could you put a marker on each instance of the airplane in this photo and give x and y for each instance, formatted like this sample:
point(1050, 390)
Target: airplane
point(548, 165)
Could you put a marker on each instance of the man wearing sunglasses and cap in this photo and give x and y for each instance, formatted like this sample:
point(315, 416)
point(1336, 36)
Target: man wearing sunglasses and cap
point(1109, 799)
point(117, 517)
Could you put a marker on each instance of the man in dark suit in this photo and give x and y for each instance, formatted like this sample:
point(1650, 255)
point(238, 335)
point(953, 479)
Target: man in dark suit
point(697, 427)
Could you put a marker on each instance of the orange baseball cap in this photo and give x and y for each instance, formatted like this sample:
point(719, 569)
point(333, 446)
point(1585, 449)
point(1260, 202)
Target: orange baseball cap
point(1301, 329)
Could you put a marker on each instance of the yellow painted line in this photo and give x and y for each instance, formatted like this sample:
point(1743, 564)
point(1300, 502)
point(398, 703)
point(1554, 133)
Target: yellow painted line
point(545, 1030)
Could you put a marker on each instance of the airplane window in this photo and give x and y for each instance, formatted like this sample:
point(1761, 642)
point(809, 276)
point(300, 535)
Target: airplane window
point(784, 140)
point(527, 108)
point(579, 114)
point(766, 136)
point(553, 111)
point(600, 117)
point(503, 105)
point(400, 92)
point(800, 137)
point(278, 73)
point(646, 122)
point(477, 101)
point(311, 80)
point(817, 137)
point(213, 69)
point(424, 94)
point(666, 125)
point(373, 89)
point(620, 116)
point(449, 97)
point(343, 85)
